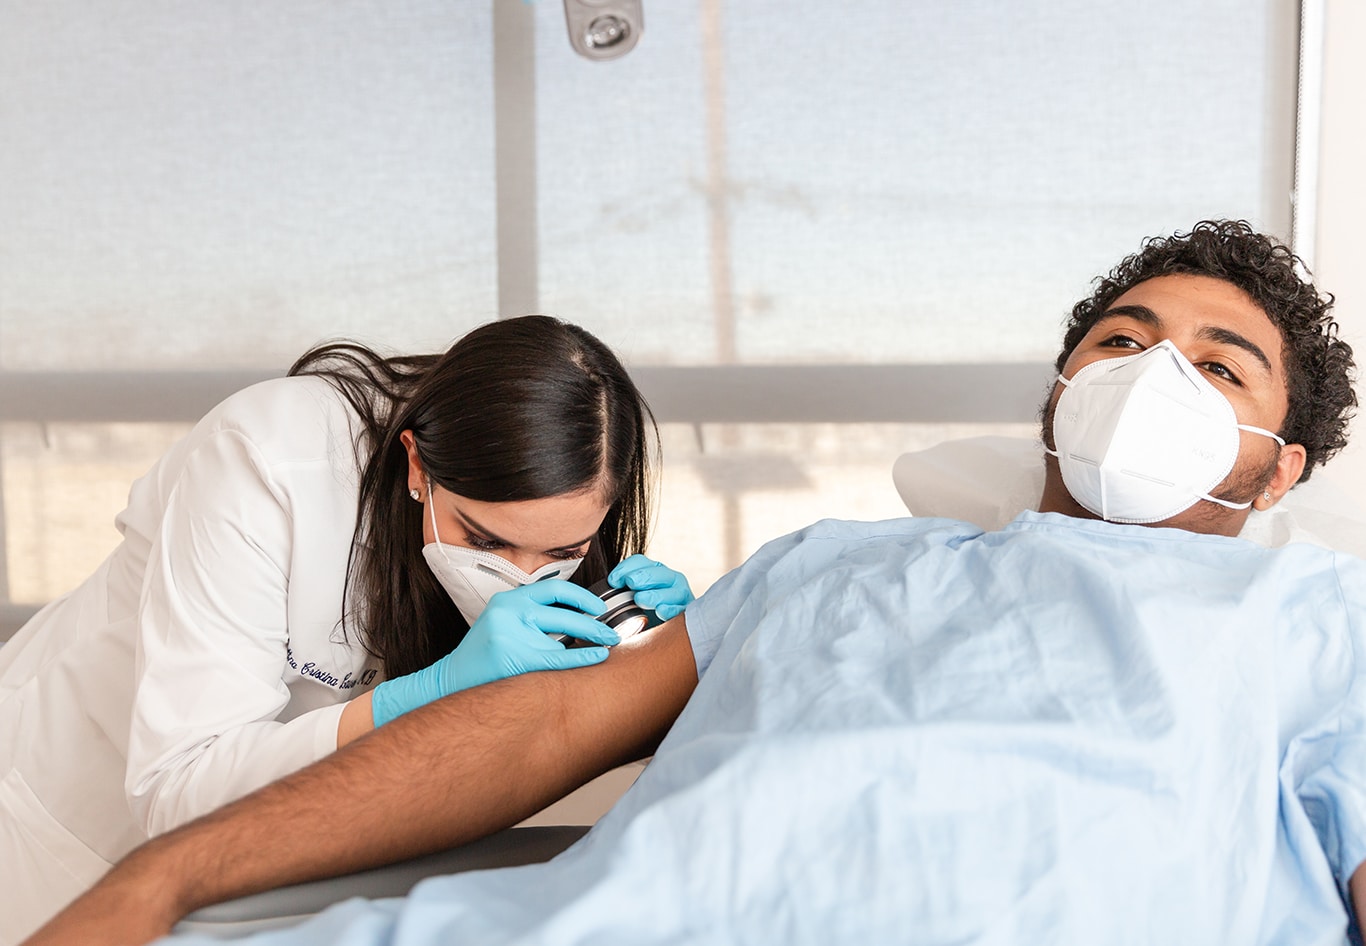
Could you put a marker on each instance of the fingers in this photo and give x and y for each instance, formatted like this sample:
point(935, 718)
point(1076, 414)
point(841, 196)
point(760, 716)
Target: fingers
point(654, 585)
point(550, 620)
point(570, 659)
point(639, 573)
point(669, 611)
point(546, 607)
point(559, 591)
point(657, 598)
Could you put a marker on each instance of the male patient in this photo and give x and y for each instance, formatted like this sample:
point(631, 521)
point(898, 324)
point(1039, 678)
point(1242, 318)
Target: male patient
point(1111, 721)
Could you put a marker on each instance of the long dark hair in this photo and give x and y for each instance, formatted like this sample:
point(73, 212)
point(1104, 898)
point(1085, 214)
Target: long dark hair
point(518, 409)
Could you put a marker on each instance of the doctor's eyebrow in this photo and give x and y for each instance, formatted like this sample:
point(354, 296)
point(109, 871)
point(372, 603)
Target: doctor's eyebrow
point(471, 524)
point(1224, 336)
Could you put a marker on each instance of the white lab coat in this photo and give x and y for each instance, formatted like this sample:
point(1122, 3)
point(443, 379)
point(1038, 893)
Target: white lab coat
point(202, 660)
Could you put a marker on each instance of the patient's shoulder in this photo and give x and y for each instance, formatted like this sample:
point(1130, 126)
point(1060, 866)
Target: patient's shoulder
point(860, 530)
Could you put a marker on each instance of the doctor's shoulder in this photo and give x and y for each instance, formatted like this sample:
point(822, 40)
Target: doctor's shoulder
point(291, 418)
point(284, 420)
point(277, 424)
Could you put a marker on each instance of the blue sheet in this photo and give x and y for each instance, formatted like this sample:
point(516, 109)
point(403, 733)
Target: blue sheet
point(915, 732)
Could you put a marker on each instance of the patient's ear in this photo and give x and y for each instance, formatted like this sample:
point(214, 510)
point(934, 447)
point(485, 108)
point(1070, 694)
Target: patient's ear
point(1288, 469)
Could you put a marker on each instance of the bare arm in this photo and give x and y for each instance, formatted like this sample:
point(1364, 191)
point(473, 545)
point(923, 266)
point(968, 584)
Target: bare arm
point(1357, 888)
point(457, 769)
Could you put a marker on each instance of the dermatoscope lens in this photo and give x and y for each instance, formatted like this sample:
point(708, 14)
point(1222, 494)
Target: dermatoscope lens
point(623, 615)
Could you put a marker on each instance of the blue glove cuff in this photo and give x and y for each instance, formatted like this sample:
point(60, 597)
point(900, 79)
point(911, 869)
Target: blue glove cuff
point(392, 698)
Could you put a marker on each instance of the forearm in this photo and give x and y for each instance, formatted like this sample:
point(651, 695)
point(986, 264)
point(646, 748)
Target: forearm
point(452, 771)
point(1357, 888)
point(445, 774)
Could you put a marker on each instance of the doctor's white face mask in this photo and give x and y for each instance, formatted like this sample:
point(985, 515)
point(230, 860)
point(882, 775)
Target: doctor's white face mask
point(1146, 436)
point(472, 576)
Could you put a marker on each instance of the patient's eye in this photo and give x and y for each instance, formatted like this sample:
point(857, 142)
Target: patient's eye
point(1120, 340)
point(1221, 370)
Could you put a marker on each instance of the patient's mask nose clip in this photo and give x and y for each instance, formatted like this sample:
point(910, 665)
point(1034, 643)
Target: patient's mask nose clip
point(472, 576)
point(1146, 436)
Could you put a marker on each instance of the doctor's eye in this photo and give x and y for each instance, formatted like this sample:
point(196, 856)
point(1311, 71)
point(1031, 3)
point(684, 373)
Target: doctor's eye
point(565, 554)
point(479, 542)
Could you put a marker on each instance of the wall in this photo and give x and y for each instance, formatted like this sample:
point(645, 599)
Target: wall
point(1340, 244)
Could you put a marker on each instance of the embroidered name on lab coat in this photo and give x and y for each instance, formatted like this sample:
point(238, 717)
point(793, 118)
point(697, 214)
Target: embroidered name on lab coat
point(313, 671)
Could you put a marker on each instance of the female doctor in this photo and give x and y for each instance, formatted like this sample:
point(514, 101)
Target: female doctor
point(322, 553)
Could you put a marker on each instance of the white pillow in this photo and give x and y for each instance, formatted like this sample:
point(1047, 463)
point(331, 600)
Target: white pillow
point(989, 480)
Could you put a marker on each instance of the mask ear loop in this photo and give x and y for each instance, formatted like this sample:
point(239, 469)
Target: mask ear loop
point(1224, 502)
point(1247, 505)
point(1265, 433)
point(1066, 383)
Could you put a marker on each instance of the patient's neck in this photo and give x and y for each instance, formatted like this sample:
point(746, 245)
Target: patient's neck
point(1055, 496)
point(1205, 518)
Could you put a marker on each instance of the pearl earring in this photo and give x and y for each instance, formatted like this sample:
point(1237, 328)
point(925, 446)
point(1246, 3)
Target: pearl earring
point(415, 494)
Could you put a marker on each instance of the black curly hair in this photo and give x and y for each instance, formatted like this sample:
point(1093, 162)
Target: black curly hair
point(1318, 365)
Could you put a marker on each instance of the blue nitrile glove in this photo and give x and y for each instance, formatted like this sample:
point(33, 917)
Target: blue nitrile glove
point(656, 586)
point(508, 638)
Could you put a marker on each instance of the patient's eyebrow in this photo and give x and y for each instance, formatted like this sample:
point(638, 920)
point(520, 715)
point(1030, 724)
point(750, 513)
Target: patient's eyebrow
point(1229, 337)
point(1214, 333)
point(1139, 313)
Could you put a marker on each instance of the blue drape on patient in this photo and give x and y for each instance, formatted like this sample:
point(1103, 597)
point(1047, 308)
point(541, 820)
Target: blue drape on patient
point(915, 732)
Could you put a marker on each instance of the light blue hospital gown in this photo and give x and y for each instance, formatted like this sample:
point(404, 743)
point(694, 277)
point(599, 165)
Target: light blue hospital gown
point(915, 732)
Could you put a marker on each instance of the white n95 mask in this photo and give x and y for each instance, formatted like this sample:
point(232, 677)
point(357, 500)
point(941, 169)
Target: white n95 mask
point(1146, 436)
point(472, 576)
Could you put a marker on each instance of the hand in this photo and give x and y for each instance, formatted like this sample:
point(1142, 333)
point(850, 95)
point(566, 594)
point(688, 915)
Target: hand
point(508, 638)
point(656, 586)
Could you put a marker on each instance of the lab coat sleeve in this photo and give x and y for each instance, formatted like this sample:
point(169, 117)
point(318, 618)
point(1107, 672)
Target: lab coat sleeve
point(212, 644)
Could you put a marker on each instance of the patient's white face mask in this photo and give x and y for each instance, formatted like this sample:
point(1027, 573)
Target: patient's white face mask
point(472, 576)
point(1146, 436)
